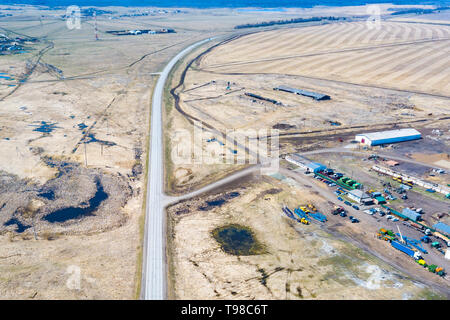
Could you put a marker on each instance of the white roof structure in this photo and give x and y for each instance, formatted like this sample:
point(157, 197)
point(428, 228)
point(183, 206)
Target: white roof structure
point(298, 160)
point(391, 136)
point(359, 194)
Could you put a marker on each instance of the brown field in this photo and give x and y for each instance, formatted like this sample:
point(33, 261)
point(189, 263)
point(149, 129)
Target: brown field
point(399, 55)
point(97, 109)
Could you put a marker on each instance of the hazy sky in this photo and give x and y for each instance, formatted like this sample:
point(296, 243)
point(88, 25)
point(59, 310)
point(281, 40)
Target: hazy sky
point(216, 3)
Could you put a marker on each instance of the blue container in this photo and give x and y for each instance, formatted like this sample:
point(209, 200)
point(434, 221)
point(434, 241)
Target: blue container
point(402, 248)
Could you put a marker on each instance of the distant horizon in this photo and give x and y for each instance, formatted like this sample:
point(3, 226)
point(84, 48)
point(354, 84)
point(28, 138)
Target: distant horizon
point(202, 4)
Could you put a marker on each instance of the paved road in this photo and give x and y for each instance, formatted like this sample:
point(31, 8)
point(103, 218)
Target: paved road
point(154, 264)
point(232, 177)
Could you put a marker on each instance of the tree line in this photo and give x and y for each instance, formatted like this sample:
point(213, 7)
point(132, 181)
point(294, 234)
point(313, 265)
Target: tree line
point(280, 22)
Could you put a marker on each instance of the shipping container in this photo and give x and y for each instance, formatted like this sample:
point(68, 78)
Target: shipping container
point(402, 248)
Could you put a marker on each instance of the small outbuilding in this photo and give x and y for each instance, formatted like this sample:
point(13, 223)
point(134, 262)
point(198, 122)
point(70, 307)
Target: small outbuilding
point(380, 200)
point(315, 95)
point(413, 215)
point(359, 196)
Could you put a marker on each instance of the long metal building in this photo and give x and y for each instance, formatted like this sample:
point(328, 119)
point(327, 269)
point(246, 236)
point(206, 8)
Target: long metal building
point(413, 215)
point(384, 137)
point(314, 95)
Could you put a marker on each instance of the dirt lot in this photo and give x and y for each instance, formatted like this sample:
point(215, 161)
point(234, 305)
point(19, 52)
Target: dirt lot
point(300, 262)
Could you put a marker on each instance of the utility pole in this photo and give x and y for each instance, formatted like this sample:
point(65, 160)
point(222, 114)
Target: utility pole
point(95, 26)
point(85, 155)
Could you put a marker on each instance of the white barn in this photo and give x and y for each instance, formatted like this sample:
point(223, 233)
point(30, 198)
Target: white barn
point(384, 137)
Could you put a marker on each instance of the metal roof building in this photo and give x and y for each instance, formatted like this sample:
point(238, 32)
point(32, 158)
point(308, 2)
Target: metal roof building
point(392, 136)
point(442, 227)
point(298, 160)
point(305, 163)
point(380, 200)
point(359, 196)
point(413, 215)
point(314, 95)
point(315, 167)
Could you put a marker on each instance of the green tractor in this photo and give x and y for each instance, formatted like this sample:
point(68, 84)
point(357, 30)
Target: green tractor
point(432, 268)
point(391, 233)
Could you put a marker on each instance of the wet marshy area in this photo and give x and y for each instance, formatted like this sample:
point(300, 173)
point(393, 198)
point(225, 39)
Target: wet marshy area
point(48, 194)
point(77, 200)
point(82, 126)
point(219, 201)
point(237, 240)
point(70, 213)
point(20, 227)
point(92, 139)
point(44, 127)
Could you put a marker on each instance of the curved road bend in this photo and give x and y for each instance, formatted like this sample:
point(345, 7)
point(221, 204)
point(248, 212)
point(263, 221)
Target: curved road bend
point(154, 262)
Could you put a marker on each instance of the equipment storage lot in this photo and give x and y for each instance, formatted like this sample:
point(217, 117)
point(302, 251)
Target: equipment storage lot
point(358, 167)
point(363, 234)
point(300, 262)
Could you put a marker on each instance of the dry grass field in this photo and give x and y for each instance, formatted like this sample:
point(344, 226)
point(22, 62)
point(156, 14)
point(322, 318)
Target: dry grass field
point(75, 114)
point(403, 56)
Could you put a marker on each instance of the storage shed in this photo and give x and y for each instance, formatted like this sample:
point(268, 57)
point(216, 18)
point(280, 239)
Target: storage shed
point(384, 137)
point(413, 215)
point(442, 227)
point(360, 196)
point(298, 160)
point(380, 200)
point(315, 167)
point(306, 93)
